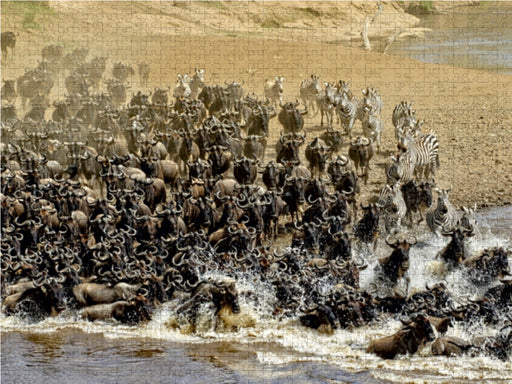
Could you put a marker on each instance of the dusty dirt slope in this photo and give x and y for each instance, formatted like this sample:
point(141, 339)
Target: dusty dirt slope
point(252, 41)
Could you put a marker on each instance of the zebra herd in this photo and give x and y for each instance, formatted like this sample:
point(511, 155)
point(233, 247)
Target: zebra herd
point(412, 170)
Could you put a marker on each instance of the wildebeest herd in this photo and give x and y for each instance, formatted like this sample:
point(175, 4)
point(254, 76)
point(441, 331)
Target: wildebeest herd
point(112, 208)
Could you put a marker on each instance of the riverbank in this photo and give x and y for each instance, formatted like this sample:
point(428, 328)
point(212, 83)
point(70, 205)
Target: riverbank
point(471, 111)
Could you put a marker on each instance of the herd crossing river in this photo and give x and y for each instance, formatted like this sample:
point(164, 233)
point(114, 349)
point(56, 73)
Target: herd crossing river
point(257, 346)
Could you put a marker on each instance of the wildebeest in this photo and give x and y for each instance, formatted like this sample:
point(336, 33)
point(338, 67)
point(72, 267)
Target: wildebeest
point(450, 346)
point(333, 139)
point(8, 42)
point(416, 333)
point(122, 71)
point(488, 266)
point(417, 197)
point(289, 150)
point(455, 253)
point(367, 229)
point(130, 312)
point(217, 294)
point(290, 117)
point(38, 301)
point(396, 265)
point(93, 293)
point(234, 93)
point(160, 96)
point(52, 53)
point(9, 91)
point(320, 317)
point(361, 152)
point(317, 153)
point(245, 170)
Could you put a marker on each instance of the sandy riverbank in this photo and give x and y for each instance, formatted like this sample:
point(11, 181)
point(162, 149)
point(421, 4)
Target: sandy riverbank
point(471, 111)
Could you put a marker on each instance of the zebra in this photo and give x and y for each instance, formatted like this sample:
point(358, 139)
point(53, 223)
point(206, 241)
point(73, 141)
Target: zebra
point(309, 91)
point(196, 83)
point(372, 99)
point(468, 218)
point(373, 126)
point(404, 120)
point(326, 104)
point(342, 87)
point(442, 215)
point(393, 171)
point(144, 71)
point(348, 111)
point(420, 157)
point(393, 206)
point(274, 90)
point(182, 89)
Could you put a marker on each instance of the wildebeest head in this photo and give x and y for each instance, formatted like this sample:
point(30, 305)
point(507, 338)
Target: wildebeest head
point(245, 170)
point(395, 265)
point(273, 176)
point(230, 296)
point(421, 327)
point(454, 252)
point(416, 332)
point(290, 117)
point(366, 229)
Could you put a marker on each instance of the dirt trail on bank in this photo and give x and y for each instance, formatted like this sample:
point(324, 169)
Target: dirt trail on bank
point(471, 111)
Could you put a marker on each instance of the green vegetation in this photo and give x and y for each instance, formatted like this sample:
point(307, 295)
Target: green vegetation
point(30, 12)
point(426, 6)
point(420, 7)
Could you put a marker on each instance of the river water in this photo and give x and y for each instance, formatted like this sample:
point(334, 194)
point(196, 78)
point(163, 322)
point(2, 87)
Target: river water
point(477, 37)
point(66, 349)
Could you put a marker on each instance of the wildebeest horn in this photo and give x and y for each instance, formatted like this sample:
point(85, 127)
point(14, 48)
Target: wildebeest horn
point(390, 242)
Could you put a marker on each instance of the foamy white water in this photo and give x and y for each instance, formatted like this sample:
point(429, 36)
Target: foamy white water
point(277, 349)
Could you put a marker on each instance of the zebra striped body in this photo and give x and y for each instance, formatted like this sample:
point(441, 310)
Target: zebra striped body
point(309, 91)
point(372, 100)
point(182, 88)
point(373, 126)
point(196, 83)
point(393, 207)
point(468, 218)
point(349, 110)
point(326, 105)
point(274, 90)
point(442, 215)
point(393, 171)
point(420, 158)
point(404, 120)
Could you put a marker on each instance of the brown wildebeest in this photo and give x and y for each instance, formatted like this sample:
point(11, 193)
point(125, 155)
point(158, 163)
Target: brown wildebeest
point(450, 346)
point(416, 332)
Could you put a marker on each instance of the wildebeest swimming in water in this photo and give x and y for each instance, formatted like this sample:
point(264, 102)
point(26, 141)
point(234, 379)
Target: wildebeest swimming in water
point(417, 331)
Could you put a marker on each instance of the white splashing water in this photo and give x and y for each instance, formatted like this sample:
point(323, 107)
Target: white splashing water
point(345, 348)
